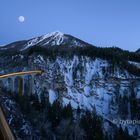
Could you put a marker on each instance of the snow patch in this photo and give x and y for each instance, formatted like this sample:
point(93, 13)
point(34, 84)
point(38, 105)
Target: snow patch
point(135, 64)
point(52, 96)
point(56, 38)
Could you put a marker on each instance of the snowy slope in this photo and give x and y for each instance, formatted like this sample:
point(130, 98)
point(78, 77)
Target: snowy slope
point(54, 38)
point(87, 83)
point(135, 64)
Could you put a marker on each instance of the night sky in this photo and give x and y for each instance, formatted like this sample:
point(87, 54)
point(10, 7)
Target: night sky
point(103, 23)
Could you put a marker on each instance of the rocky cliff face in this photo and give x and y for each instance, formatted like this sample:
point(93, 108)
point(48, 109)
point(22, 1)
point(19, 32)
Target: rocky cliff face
point(89, 83)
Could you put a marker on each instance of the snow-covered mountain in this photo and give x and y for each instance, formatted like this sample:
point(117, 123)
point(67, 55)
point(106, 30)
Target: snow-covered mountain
point(52, 39)
point(81, 80)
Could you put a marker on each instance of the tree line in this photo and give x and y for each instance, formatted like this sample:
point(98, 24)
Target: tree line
point(116, 56)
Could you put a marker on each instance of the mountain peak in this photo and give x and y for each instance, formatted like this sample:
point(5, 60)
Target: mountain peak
point(56, 38)
point(53, 38)
point(56, 33)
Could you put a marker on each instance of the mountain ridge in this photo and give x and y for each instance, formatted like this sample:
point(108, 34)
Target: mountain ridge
point(51, 39)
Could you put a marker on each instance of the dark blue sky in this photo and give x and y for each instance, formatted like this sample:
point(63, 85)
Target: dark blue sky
point(100, 22)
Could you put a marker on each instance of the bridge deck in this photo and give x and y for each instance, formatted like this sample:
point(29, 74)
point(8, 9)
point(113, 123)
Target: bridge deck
point(20, 73)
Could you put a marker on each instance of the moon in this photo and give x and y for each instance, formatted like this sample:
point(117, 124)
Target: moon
point(21, 18)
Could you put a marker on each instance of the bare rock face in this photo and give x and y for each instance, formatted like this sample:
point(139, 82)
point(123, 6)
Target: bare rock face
point(89, 83)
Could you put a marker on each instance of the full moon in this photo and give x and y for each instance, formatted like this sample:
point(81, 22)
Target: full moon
point(21, 18)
